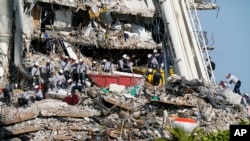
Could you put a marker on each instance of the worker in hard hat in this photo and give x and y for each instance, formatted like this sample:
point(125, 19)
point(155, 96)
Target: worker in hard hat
point(24, 99)
point(107, 66)
point(127, 65)
point(66, 67)
point(157, 79)
point(171, 71)
point(36, 75)
point(58, 81)
point(233, 79)
point(152, 62)
point(93, 66)
point(47, 70)
point(75, 68)
point(149, 75)
point(121, 62)
point(38, 93)
point(83, 68)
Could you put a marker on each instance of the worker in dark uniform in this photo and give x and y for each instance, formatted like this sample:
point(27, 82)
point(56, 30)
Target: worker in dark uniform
point(157, 78)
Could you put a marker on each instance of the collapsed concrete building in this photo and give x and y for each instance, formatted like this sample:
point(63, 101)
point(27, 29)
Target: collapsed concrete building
point(40, 29)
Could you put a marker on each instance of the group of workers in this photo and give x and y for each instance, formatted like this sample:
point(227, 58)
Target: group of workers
point(68, 73)
point(24, 98)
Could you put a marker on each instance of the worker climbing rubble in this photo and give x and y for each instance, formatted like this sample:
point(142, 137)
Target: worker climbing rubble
point(233, 79)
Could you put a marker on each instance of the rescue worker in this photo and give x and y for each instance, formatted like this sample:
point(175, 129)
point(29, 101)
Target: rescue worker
point(147, 75)
point(127, 65)
point(35, 73)
point(7, 94)
point(93, 66)
point(83, 72)
point(171, 71)
point(233, 79)
point(24, 100)
point(121, 62)
point(38, 92)
point(157, 78)
point(58, 80)
point(75, 72)
point(66, 67)
point(107, 66)
point(70, 86)
point(152, 62)
point(158, 56)
point(47, 70)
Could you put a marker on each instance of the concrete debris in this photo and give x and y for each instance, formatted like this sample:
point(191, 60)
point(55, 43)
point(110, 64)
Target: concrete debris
point(114, 113)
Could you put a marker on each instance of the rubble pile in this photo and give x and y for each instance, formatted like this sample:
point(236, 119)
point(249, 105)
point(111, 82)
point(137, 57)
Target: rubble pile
point(120, 113)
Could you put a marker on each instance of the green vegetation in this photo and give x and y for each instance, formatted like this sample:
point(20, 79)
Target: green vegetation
point(217, 136)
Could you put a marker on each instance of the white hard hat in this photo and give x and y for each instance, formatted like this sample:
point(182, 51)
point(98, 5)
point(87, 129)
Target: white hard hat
point(94, 62)
point(162, 65)
point(48, 60)
point(36, 87)
point(80, 60)
point(104, 60)
point(155, 51)
point(127, 57)
point(60, 71)
point(150, 70)
point(76, 61)
point(36, 63)
point(149, 55)
point(124, 56)
point(66, 57)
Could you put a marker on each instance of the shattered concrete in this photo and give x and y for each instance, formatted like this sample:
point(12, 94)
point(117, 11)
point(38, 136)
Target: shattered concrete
point(116, 113)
